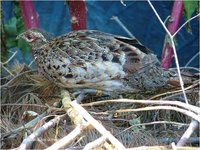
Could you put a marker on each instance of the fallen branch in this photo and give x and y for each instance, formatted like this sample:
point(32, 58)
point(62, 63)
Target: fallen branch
point(32, 105)
point(162, 148)
point(168, 140)
point(183, 111)
point(99, 127)
point(192, 127)
point(81, 124)
point(158, 102)
point(174, 92)
point(62, 143)
point(95, 144)
point(27, 142)
point(76, 117)
point(153, 123)
point(28, 125)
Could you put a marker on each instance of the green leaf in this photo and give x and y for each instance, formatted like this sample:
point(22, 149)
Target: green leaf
point(17, 9)
point(11, 42)
point(10, 27)
point(190, 7)
point(23, 46)
point(20, 25)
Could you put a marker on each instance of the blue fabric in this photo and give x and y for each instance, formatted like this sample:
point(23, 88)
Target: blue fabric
point(137, 16)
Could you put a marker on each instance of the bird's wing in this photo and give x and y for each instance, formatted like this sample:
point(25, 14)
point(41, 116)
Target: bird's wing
point(93, 56)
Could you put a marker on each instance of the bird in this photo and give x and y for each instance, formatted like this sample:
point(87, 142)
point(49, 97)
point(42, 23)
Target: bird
point(91, 59)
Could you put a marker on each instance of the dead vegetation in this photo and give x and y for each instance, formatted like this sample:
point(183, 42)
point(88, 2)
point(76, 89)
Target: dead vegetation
point(37, 114)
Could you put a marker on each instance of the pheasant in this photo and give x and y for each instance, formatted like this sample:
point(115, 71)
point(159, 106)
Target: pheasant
point(90, 59)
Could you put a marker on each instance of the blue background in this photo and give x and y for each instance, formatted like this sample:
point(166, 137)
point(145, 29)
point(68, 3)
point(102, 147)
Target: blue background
point(137, 16)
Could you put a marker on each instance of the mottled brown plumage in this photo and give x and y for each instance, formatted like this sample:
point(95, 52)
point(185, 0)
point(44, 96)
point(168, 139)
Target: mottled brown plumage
point(89, 59)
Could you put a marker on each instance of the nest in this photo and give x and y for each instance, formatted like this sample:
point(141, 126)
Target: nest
point(33, 105)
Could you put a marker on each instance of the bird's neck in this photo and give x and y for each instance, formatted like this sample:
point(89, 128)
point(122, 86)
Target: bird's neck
point(36, 46)
point(37, 43)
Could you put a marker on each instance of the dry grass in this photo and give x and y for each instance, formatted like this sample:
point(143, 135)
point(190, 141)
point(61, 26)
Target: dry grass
point(27, 91)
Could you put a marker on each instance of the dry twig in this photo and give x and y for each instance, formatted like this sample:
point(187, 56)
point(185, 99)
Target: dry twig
point(192, 127)
point(183, 111)
point(158, 102)
point(97, 125)
point(174, 50)
point(28, 125)
point(95, 144)
point(123, 26)
point(27, 142)
point(62, 143)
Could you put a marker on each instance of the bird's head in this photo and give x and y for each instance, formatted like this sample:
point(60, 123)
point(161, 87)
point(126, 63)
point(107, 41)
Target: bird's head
point(33, 37)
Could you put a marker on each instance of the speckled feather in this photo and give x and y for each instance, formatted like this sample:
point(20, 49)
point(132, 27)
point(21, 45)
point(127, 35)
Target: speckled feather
point(96, 60)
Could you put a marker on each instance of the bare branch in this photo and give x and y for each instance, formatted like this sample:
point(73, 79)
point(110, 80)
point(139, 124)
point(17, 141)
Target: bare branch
point(179, 72)
point(153, 123)
point(32, 105)
point(26, 144)
point(174, 50)
point(122, 2)
point(189, 68)
point(7, 61)
point(62, 143)
point(196, 55)
point(185, 24)
point(162, 148)
point(192, 127)
point(123, 26)
point(177, 91)
point(99, 127)
point(159, 18)
point(158, 102)
point(95, 144)
point(30, 124)
point(8, 71)
point(183, 111)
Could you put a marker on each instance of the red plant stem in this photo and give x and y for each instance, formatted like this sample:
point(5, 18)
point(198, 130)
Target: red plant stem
point(167, 52)
point(29, 14)
point(77, 11)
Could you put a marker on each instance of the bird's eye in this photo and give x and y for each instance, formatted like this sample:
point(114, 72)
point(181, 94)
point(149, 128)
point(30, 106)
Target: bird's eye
point(29, 37)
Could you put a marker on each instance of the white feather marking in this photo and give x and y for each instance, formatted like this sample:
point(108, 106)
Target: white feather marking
point(39, 35)
point(122, 58)
point(66, 61)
